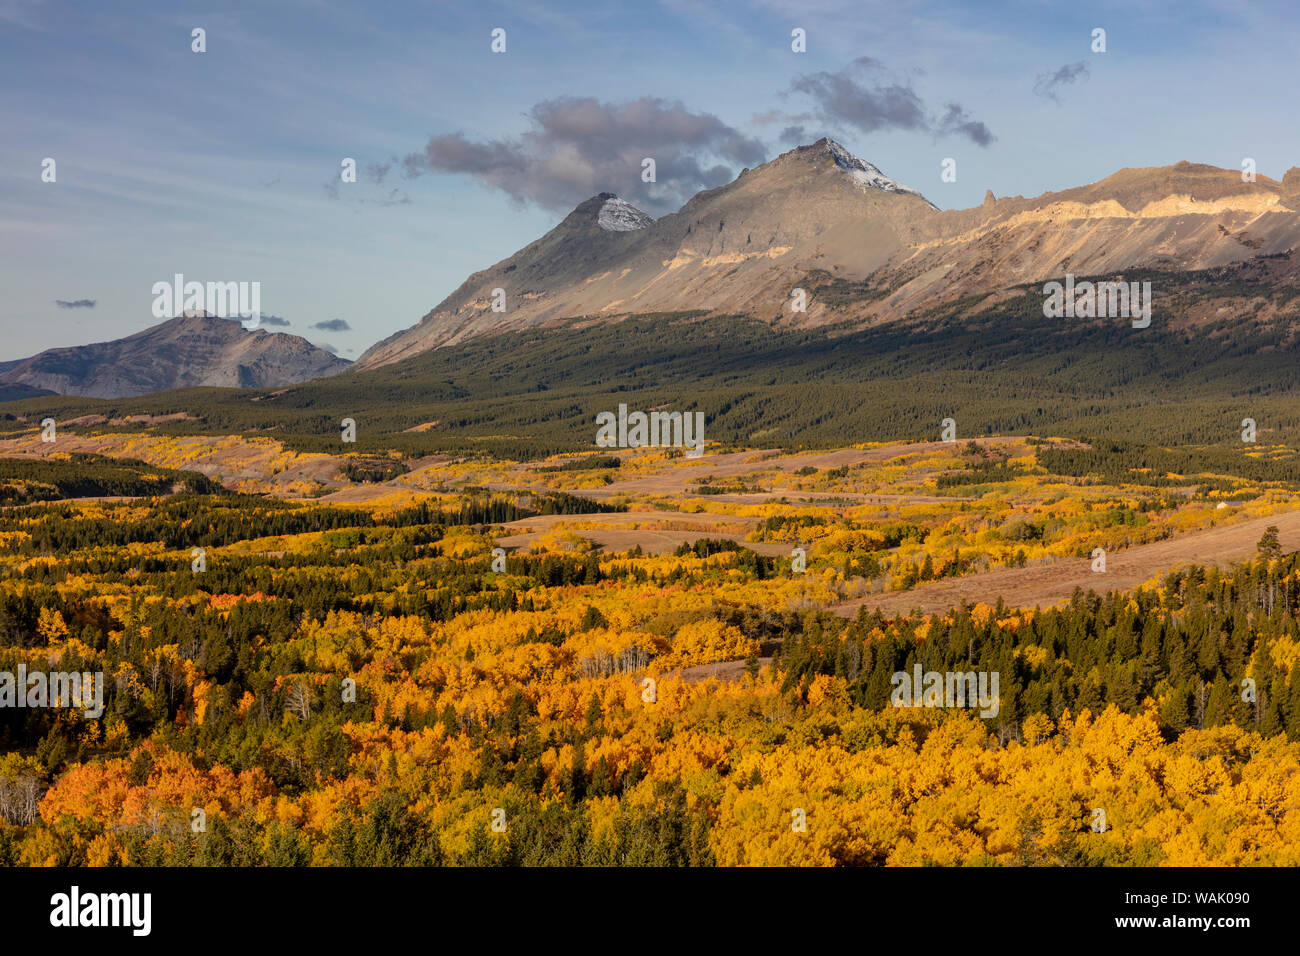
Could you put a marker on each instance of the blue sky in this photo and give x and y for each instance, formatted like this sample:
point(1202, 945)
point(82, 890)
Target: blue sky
point(225, 165)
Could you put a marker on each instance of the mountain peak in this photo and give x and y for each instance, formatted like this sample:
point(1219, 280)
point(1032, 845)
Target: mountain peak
point(606, 212)
point(619, 215)
point(862, 173)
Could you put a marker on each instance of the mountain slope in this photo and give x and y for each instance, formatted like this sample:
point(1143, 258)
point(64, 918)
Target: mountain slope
point(729, 249)
point(1173, 218)
point(183, 352)
point(864, 247)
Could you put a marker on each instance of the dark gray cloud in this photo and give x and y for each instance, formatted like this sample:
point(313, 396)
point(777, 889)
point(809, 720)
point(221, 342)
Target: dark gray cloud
point(274, 320)
point(1047, 84)
point(957, 122)
point(75, 303)
point(332, 325)
point(580, 146)
point(851, 98)
point(327, 347)
point(864, 98)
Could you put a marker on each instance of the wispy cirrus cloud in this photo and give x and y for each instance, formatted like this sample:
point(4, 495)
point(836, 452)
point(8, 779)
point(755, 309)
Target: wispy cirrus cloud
point(1047, 84)
point(376, 173)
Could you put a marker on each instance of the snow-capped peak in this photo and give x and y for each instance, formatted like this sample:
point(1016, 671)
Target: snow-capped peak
point(619, 215)
point(863, 173)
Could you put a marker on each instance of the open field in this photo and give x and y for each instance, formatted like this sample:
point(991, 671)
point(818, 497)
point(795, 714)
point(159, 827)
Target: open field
point(1051, 584)
point(751, 494)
